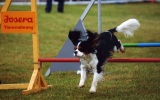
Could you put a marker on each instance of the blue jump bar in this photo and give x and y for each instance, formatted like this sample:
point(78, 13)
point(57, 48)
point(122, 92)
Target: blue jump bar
point(157, 44)
point(148, 44)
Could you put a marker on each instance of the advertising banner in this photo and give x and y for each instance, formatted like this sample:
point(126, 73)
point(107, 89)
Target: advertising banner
point(18, 22)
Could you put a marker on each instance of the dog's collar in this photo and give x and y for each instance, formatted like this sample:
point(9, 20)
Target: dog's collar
point(110, 34)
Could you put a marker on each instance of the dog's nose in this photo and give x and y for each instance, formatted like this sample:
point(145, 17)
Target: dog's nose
point(75, 52)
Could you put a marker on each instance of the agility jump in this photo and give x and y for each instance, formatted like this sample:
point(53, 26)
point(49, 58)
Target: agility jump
point(37, 81)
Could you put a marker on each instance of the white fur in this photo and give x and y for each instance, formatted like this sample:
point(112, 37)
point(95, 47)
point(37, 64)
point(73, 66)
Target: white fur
point(79, 53)
point(128, 27)
point(90, 61)
point(96, 78)
point(115, 49)
point(120, 49)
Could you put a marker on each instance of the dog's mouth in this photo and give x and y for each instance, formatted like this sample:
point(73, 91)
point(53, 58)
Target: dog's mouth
point(79, 56)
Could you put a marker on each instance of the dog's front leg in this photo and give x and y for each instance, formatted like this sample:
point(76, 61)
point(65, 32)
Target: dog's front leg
point(83, 75)
point(94, 83)
point(96, 78)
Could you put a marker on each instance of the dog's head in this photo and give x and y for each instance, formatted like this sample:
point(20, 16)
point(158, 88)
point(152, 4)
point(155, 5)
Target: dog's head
point(83, 48)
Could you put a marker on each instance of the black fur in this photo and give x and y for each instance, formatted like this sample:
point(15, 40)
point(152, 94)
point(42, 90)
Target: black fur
point(101, 44)
point(105, 43)
point(74, 36)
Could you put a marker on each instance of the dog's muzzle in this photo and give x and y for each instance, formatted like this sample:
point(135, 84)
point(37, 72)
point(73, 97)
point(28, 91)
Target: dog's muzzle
point(75, 53)
point(78, 53)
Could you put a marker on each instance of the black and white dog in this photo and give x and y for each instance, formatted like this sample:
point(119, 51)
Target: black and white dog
point(97, 48)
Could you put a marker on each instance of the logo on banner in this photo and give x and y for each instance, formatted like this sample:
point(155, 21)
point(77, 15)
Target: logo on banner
point(18, 22)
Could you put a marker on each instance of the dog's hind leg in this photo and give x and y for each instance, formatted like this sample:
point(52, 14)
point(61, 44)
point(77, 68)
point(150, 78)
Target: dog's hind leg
point(83, 75)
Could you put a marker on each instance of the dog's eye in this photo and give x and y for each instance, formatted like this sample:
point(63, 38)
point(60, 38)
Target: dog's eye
point(75, 48)
point(81, 49)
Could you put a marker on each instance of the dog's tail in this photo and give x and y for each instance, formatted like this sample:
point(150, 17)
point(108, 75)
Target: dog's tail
point(128, 27)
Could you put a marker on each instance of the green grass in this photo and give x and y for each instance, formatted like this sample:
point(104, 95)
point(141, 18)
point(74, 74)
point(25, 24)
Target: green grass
point(124, 81)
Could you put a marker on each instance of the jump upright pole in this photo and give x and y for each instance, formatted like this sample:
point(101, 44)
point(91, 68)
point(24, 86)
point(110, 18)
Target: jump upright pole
point(99, 17)
point(37, 81)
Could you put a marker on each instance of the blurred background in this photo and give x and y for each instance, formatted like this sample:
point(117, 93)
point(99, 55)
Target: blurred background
point(42, 2)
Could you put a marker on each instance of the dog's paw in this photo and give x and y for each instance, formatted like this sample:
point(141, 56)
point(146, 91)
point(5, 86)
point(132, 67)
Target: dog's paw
point(122, 49)
point(92, 90)
point(80, 86)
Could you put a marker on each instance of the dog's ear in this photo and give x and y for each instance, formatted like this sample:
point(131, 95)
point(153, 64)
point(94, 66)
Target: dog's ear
point(92, 35)
point(92, 38)
point(74, 36)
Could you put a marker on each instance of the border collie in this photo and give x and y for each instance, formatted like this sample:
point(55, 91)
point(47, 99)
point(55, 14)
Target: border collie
point(94, 51)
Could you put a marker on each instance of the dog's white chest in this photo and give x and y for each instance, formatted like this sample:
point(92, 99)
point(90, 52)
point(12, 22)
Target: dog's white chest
point(89, 60)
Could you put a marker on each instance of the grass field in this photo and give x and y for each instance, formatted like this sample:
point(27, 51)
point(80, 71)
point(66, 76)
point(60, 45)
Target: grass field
point(125, 81)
